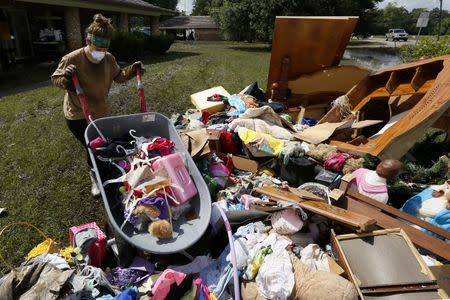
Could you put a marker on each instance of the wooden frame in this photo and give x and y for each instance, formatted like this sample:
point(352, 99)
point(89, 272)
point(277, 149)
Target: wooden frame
point(304, 47)
point(421, 88)
point(425, 280)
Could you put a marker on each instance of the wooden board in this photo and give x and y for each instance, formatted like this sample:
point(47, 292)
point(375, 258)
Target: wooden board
point(312, 43)
point(336, 79)
point(419, 238)
point(353, 220)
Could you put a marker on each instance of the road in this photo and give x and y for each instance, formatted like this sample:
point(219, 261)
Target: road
point(381, 42)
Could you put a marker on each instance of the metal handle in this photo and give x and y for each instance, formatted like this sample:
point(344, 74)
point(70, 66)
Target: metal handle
point(140, 86)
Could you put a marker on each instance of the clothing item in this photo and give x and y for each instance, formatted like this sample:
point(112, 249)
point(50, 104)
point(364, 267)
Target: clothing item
point(37, 281)
point(275, 279)
point(162, 286)
point(53, 259)
point(315, 258)
point(309, 285)
point(368, 183)
point(137, 271)
point(198, 264)
point(260, 144)
point(78, 127)
point(286, 221)
point(95, 80)
point(335, 161)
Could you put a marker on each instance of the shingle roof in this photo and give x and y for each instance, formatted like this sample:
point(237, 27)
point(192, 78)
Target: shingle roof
point(189, 22)
point(134, 3)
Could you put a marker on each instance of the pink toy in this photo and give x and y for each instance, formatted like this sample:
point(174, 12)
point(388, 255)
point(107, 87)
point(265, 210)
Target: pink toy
point(182, 187)
point(97, 249)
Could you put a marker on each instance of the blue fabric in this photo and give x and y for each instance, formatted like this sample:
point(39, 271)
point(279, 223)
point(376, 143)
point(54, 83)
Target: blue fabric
point(128, 294)
point(236, 102)
point(412, 205)
point(309, 121)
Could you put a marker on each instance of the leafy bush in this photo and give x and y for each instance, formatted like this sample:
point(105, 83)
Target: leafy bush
point(132, 46)
point(426, 47)
point(128, 46)
point(159, 44)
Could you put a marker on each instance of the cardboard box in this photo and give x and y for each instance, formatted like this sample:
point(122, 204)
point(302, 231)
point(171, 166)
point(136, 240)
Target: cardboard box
point(201, 103)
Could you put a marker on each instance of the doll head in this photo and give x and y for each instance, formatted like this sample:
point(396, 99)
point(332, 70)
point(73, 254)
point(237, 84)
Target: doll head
point(389, 168)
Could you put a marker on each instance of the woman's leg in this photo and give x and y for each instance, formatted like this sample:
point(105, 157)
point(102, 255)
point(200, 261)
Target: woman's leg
point(78, 127)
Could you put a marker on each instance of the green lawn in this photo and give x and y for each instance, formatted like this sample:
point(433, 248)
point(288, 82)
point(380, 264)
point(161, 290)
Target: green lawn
point(43, 174)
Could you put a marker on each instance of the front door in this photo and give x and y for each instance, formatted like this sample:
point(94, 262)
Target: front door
point(20, 29)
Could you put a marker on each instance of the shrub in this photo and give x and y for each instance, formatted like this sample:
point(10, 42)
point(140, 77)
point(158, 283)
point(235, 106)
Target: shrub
point(128, 46)
point(159, 44)
point(132, 46)
point(428, 47)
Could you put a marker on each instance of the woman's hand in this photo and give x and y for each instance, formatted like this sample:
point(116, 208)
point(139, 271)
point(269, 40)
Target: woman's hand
point(137, 65)
point(70, 70)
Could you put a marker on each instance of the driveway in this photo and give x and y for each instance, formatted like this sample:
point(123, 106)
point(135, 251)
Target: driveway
point(381, 40)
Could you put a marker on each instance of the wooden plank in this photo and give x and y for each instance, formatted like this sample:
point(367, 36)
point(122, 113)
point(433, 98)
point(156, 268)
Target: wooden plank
point(419, 238)
point(399, 214)
point(359, 222)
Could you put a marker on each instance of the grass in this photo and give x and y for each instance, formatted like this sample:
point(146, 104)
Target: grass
point(43, 174)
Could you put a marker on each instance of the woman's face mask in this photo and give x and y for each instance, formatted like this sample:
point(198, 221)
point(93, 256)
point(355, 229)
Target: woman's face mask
point(97, 55)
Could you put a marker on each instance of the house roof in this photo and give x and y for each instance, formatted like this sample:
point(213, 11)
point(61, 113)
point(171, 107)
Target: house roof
point(138, 7)
point(189, 22)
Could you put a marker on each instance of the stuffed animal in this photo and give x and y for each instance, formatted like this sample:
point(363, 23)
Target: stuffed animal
point(160, 229)
point(373, 184)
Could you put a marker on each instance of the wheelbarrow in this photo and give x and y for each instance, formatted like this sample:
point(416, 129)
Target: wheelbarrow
point(186, 232)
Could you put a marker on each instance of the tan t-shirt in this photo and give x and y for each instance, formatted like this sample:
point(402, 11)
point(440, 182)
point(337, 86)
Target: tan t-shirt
point(95, 80)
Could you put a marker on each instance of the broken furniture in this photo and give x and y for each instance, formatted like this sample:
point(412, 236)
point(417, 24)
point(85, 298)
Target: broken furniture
point(300, 79)
point(389, 217)
point(407, 98)
point(384, 264)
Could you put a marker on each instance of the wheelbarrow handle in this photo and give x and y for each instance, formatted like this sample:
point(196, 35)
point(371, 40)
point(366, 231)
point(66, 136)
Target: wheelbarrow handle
point(82, 98)
point(140, 86)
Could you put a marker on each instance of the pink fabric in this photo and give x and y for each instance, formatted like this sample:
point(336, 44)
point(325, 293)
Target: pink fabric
point(97, 249)
point(360, 178)
point(96, 143)
point(162, 145)
point(247, 200)
point(161, 288)
point(335, 161)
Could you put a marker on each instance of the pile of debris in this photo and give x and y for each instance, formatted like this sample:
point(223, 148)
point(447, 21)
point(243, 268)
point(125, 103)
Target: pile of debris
point(321, 188)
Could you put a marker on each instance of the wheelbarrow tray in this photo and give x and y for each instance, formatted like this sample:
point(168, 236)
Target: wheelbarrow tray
point(186, 232)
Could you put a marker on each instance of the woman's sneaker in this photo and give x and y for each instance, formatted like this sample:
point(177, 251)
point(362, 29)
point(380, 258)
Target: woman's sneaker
point(95, 191)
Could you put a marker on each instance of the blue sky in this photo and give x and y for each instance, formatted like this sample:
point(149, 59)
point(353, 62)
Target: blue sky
point(410, 4)
point(186, 5)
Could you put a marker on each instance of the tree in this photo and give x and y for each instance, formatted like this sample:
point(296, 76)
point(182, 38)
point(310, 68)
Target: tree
point(254, 20)
point(169, 4)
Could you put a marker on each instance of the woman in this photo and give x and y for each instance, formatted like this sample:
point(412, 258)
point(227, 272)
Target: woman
point(96, 69)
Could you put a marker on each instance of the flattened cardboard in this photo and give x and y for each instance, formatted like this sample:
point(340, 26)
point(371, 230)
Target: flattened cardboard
point(201, 103)
point(319, 133)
